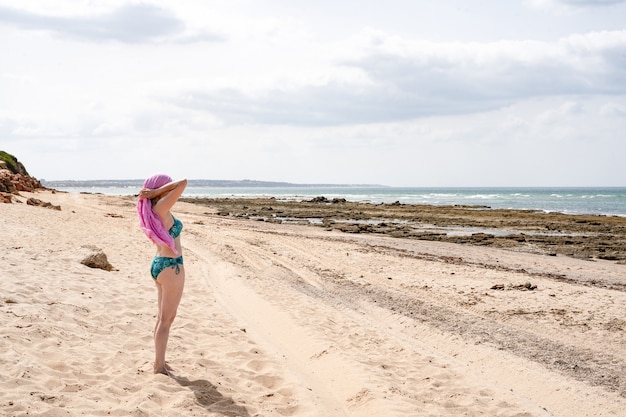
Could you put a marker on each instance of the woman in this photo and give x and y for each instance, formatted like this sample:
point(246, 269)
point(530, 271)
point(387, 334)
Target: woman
point(156, 199)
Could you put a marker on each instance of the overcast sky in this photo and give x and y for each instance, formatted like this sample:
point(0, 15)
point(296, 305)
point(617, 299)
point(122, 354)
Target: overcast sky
point(400, 92)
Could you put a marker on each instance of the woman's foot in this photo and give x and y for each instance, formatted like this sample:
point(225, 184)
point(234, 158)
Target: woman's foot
point(161, 371)
point(166, 369)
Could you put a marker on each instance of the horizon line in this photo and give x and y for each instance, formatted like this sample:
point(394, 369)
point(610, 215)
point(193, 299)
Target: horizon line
point(69, 183)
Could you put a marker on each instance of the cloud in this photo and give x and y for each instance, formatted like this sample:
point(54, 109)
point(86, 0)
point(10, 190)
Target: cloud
point(612, 109)
point(408, 80)
point(592, 3)
point(575, 3)
point(133, 23)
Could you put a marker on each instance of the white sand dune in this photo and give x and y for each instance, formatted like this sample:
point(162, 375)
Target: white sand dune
point(281, 320)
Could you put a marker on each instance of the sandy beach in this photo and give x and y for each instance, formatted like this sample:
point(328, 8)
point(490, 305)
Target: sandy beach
point(295, 320)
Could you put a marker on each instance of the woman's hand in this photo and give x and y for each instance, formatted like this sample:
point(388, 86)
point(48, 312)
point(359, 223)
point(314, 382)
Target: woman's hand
point(147, 193)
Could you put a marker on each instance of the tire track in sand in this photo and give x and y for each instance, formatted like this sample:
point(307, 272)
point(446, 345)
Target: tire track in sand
point(313, 347)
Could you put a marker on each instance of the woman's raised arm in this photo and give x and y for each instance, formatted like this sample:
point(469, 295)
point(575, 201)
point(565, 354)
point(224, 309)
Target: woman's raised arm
point(167, 195)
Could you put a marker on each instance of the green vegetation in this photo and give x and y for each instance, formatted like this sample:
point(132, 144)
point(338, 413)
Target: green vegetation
point(13, 164)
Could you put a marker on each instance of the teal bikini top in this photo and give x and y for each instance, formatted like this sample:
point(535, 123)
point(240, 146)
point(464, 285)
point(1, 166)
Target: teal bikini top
point(176, 228)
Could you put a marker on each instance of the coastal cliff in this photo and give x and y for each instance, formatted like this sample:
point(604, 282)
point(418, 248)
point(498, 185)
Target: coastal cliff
point(14, 178)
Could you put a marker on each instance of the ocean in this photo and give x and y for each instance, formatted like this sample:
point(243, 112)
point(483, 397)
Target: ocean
point(569, 200)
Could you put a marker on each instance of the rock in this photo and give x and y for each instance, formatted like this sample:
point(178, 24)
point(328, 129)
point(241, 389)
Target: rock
point(36, 202)
point(526, 287)
point(97, 260)
point(6, 198)
point(14, 183)
point(320, 199)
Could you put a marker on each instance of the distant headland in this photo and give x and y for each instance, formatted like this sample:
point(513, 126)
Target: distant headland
point(245, 183)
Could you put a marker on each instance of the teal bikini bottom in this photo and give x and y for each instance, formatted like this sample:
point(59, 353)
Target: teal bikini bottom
point(160, 263)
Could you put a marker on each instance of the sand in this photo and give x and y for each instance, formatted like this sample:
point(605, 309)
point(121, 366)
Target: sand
point(291, 320)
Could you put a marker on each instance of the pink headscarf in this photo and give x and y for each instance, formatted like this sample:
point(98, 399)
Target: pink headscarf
point(150, 222)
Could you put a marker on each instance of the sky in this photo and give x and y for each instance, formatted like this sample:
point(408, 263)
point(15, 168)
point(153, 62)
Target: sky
point(407, 93)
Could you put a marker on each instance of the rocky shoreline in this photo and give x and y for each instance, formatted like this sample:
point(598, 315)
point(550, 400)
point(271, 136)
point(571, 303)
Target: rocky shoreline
point(589, 237)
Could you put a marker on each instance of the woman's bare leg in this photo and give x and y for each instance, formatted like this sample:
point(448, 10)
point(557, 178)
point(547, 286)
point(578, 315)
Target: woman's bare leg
point(159, 297)
point(171, 288)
